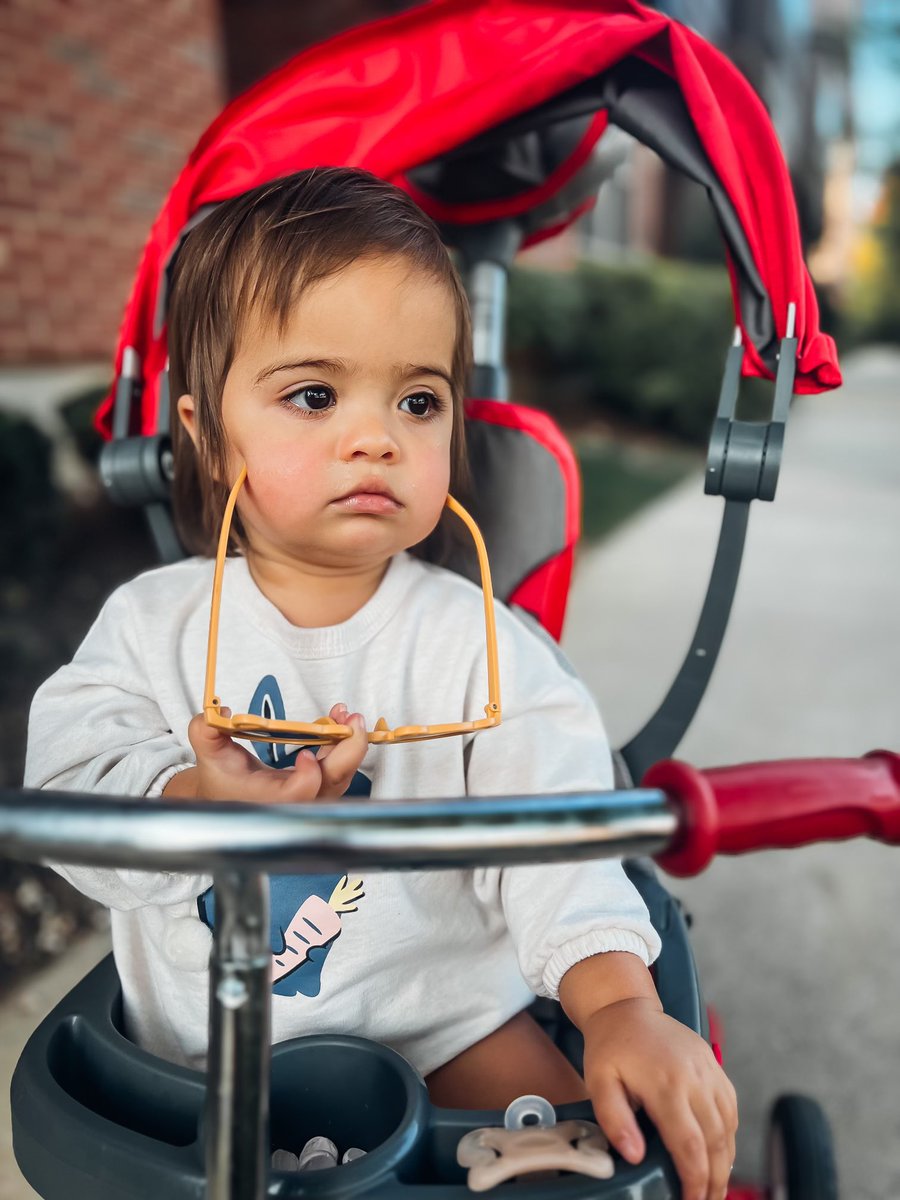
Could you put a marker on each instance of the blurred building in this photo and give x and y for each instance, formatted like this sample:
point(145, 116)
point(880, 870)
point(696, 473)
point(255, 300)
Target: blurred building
point(99, 110)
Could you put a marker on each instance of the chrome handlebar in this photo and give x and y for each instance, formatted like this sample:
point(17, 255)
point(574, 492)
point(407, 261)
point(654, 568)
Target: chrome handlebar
point(432, 834)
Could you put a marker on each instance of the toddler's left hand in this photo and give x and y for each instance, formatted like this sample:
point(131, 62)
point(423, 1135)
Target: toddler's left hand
point(225, 770)
point(635, 1055)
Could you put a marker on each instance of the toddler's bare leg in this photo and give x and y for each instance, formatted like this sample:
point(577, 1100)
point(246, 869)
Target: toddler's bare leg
point(518, 1059)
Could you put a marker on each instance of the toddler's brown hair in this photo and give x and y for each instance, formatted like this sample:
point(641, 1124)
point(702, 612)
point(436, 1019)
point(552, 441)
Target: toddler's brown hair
point(253, 255)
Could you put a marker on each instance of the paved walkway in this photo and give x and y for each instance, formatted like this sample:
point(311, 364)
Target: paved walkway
point(799, 952)
point(20, 1012)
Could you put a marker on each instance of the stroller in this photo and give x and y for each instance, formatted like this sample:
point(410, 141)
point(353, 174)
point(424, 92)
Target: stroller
point(501, 159)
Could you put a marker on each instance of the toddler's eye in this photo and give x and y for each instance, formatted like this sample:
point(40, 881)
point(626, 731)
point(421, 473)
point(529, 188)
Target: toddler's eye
point(421, 404)
point(313, 398)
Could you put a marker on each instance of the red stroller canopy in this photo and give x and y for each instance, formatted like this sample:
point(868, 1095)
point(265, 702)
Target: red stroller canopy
point(399, 93)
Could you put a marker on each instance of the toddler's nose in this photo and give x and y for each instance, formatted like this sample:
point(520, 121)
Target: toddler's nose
point(369, 436)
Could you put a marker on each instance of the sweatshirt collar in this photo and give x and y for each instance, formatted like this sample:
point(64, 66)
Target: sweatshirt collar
point(243, 598)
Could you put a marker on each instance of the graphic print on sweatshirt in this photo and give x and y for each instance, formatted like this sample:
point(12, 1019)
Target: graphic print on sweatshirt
point(305, 911)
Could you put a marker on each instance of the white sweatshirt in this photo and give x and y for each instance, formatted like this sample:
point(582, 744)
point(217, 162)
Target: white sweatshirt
point(425, 962)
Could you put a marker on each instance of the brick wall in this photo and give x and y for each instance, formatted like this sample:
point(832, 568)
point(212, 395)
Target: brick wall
point(260, 35)
point(99, 106)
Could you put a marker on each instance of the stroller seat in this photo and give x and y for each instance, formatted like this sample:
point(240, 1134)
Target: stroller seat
point(127, 1124)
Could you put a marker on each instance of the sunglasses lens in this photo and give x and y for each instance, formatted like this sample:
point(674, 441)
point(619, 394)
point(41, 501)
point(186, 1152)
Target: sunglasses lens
point(319, 733)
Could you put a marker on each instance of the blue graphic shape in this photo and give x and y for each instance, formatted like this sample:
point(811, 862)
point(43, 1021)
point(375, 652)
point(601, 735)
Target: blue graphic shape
point(286, 896)
point(268, 702)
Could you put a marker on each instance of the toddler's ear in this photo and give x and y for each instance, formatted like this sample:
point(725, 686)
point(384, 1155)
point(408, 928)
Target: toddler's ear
point(187, 414)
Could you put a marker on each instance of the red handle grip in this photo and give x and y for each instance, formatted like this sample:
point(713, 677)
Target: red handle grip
point(763, 806)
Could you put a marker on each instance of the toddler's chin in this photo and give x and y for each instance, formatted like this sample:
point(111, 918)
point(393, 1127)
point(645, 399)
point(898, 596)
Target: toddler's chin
point(350, 554)
point(382, 537)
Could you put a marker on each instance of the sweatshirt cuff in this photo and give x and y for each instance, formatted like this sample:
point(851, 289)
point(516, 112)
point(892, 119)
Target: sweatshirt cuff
point(155, 790)
point(598, 941)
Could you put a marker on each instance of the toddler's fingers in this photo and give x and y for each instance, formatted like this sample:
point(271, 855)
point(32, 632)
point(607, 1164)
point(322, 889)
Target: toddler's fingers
point(271, 785)
point(726, 1099)
point(227, 771)
point(211, 744)
point(719, 1142)
point(343, 759)
point(205, 741)
point(300, 784)
point(726, 1102)
point(680, 1130)
point(340, 714)
point(616, 1118)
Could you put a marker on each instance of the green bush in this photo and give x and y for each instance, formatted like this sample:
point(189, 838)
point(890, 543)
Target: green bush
point(78, 414)
point(642, 344)
point(29, 498)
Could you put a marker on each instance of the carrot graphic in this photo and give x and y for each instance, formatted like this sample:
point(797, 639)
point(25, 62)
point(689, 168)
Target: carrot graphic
point(314, 924)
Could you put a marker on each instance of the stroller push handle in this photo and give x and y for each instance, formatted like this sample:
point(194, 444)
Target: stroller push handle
point(777, 805)
point(431, 834)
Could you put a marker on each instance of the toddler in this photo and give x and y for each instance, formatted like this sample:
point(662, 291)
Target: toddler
point(319, 337)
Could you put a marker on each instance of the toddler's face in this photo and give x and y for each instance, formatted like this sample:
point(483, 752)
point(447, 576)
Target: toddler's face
point(344, 421)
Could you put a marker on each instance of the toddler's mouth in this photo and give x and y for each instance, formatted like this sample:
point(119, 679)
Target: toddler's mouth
point(369, 496)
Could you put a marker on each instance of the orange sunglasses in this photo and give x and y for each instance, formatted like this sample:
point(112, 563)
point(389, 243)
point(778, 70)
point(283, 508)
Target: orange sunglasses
point(324, 730)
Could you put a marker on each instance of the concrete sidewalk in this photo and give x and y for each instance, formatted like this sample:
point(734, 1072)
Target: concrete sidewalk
point(20, 1012)
point(799, 952)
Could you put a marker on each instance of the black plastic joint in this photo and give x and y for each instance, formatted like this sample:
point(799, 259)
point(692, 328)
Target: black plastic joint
point(745, 456)
point(137, 470)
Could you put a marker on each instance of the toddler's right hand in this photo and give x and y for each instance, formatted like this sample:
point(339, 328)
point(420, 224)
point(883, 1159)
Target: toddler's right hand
point(227, 771)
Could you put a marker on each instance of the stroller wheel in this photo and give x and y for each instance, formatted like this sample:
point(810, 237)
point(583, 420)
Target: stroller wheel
point(800, 1152)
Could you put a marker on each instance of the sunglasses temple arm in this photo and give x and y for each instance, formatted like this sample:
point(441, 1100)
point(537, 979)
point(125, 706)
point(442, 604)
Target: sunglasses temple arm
point(487, 590)
point(209, 689)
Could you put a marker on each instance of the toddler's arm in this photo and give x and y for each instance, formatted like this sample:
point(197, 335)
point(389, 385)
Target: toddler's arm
point(582, 931)
point(552, 740)
point(95, 727)
point(635, 1055)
